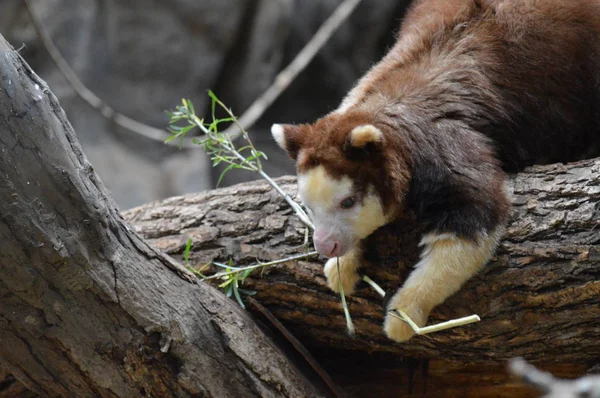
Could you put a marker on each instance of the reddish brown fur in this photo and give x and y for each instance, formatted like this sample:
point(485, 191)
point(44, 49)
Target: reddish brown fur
point(365, 166)
point(471, 86)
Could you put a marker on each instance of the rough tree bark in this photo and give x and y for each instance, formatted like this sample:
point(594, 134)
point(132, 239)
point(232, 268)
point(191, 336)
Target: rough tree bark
point(87, 307)
point(539, 298)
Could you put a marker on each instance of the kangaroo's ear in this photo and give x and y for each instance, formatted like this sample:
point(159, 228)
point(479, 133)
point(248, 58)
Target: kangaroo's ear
point(361, 136)
point(289, 137)
point(363, 141)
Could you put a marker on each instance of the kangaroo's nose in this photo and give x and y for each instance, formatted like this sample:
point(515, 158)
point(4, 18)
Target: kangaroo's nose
point(335, 252)
point(328, 248)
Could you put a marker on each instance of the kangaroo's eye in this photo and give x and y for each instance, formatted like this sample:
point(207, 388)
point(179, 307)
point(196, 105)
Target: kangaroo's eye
point(348, 202)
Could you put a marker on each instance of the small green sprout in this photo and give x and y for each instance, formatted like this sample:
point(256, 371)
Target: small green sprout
point(219, 146)
point(221, 149)
point(349, 324)
point(186, 251)
point(234, 277)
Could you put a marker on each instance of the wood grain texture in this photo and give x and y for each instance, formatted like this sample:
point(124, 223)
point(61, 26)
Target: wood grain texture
point(87, 307)
point(539, 298)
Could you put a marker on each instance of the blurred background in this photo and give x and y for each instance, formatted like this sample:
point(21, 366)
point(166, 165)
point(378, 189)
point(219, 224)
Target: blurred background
point(142, 56)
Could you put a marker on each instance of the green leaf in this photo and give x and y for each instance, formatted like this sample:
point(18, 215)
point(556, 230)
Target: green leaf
point(176, 118)
point(226, 283)
point(171, 138)
point(212, 95)
point(244, 148)
point(236, 293)
point(175, 129)
point(231, 166)
point(245, 274)
point(213, 103)
point(186, 252)
point(191, 107)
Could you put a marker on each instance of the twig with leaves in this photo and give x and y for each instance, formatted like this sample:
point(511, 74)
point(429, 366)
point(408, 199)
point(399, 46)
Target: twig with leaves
point(221, 149)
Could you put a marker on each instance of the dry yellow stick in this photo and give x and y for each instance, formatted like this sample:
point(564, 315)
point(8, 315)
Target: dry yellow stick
point(427, 329)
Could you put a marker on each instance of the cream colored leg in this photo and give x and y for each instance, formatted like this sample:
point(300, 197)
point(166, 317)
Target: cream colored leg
point(349, 264)
point(446, 263)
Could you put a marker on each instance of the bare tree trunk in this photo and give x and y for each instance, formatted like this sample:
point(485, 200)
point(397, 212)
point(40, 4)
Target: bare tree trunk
point(539, 298)
point(87, 307)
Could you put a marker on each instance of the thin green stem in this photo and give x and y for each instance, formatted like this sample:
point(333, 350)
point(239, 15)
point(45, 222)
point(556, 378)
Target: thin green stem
point(349, 323)
point(427, 329)
point(260, 265)
point(449, 324)
point(407, 319)
point(374, 285)
point(295, 206)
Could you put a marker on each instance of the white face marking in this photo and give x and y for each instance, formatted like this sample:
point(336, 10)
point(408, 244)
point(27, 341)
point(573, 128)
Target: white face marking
point(322, 195)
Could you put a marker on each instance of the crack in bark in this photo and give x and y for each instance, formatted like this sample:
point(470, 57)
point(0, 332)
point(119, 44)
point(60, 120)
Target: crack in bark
point(39, 361)
point(114, 269)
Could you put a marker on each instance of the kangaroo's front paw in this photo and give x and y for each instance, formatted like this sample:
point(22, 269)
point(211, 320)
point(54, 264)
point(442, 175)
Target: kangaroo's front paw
point(397, 329)
point(348, 274)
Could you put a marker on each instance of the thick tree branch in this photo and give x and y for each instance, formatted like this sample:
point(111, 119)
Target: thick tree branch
point(539, 298)
point(88, 308)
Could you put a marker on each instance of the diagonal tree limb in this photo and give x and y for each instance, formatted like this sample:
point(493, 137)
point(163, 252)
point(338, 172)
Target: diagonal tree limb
point(248, 118)
point(89, 97)
point(299, 63)
point(88, 307)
